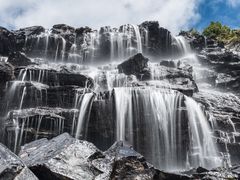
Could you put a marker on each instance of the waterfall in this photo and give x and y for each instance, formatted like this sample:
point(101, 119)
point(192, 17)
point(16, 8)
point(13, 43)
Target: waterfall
point(202, 147)
point(182, 45)
point(156, 122)
point(84, 103)
point(138, 38)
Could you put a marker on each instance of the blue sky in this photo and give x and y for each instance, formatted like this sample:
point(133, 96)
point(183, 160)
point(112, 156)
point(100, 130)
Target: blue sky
point(227, 12)
point(174, 15)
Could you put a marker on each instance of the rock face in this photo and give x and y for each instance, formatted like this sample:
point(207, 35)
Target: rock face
point(223, 111)
point(227, 66)
point(7, 42)
point(19, 59)
point(196, 40)
point(136, 65)
point(12, 167)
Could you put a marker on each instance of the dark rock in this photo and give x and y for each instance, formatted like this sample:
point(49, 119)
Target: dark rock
point(61, 76)
point(35, 123)
point(226, 64)
point(62, 157)
point(62, 29)
point(29, 31)
point(136, 65)
point(6, 73)
point(12, 167)
point(7, 42)
point(168, 63)
point(180, 78)
point(201, 170)
point(80, 31)
point(160, 39)
point(19, 59)
point(196, 40)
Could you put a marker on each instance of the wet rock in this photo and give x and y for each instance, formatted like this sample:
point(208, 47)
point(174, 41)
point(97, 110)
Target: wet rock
point(80, 31)
point(19, 59)
point(160, 39)
point(136, 65)
point(170, 63)
point(180, 78)
point(196, 40)
point(12, 167)
point(26, 125)
point(29, 31)
point(226, 64)
point(6, 73)
point(223, 110)
point(62, 29)
point(120, 161)
point(60, 75)
point(62, 157)
point(7, 42)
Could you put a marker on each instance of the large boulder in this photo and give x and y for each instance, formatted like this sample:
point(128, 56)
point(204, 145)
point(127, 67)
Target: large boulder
point(136, 65)
point(62, 157)
point(67, 158)
point(12, 167)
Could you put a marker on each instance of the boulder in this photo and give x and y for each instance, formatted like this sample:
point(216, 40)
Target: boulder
point(62, 157)
point(12, 167)
point(136, 65)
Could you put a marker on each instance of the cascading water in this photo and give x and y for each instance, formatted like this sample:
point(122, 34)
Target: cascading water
point(171, 135)
point(84, 104)
point(167, 127)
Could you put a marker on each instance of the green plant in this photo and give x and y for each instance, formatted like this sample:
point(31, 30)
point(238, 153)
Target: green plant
point(221, 33)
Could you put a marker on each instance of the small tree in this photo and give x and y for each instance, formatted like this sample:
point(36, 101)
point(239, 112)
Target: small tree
point(216, 30)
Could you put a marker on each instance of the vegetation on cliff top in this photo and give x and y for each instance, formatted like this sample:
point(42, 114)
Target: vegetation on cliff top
point(222, 33)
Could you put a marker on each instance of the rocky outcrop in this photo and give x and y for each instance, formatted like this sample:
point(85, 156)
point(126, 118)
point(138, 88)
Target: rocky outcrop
point(19, 59)
point(227, 66)
point(12, 167)
point(7, 42)
point(195, 39)
point(61, 158)
point(136, 65)
point(67, 158)
point(159, 39)
point(223, 111)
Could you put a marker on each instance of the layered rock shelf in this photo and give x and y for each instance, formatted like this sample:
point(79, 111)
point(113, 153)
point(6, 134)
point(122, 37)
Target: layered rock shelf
point(133, 102)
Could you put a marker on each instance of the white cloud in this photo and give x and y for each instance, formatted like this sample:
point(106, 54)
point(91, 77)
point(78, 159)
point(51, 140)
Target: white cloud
point(233, 3)
point(172, 14)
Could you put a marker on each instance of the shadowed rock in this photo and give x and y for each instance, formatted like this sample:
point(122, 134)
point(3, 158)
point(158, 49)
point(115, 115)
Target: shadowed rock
point(12, 167)
point(136, 65)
